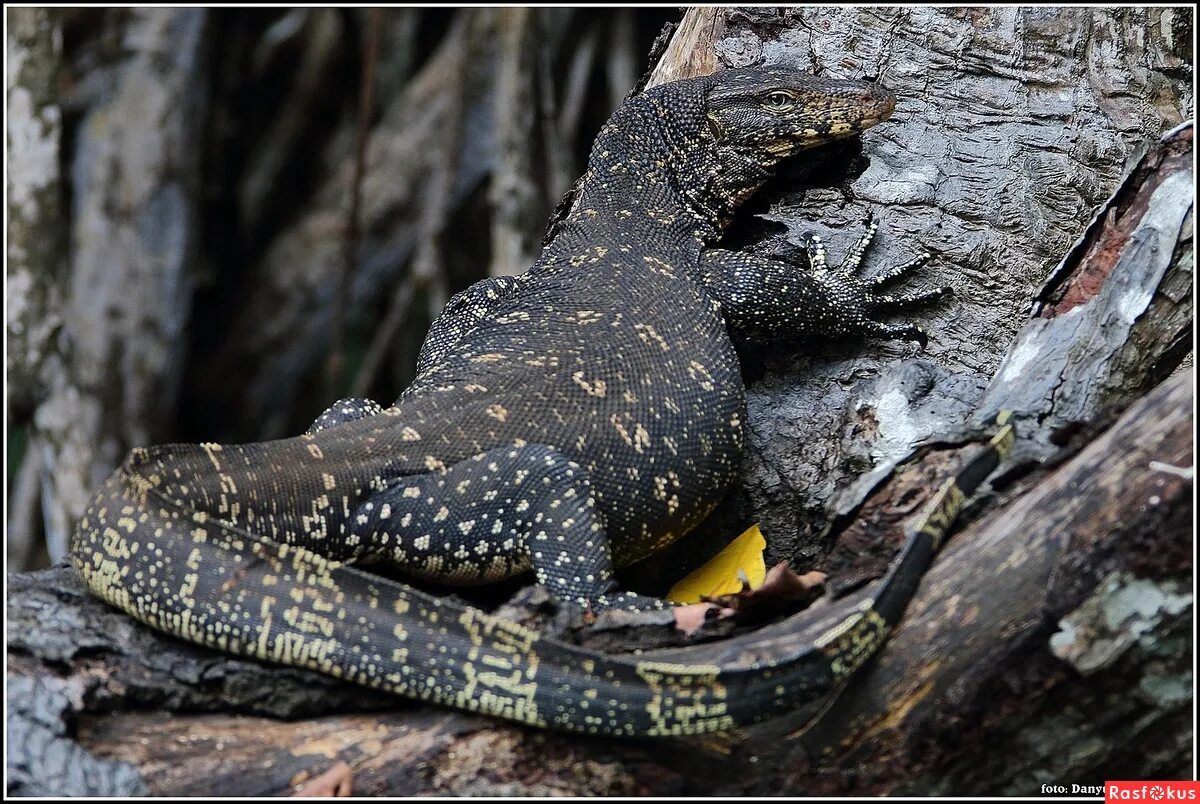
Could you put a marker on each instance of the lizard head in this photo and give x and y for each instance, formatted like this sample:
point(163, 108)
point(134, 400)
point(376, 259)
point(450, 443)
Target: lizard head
point(713, 140)
point(770, 113)
point(754, 117)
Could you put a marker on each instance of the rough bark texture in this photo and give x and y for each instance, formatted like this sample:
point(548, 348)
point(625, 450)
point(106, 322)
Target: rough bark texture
point(35, 218)
point(1006, 644)
point(112, 372)
point(35, 254)
point(1026, 154)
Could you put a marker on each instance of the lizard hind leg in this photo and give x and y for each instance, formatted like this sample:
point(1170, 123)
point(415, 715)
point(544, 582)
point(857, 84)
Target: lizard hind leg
point(494, 516)
point(350, 409)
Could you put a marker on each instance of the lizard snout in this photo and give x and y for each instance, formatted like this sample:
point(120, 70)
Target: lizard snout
point(879, 103)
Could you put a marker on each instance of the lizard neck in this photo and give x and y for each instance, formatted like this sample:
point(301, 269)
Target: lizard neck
point(653, 175)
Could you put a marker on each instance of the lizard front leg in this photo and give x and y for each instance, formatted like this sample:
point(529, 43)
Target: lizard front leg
point(765, 298)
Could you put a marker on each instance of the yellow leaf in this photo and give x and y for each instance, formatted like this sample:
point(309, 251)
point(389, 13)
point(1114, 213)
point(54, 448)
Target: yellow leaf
point(719, 575)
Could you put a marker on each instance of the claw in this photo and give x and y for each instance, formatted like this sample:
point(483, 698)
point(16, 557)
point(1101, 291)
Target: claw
point(891, 275)
point(899, 332)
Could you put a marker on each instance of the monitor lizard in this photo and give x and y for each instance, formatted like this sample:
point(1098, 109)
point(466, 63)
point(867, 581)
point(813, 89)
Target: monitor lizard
point(566, 421)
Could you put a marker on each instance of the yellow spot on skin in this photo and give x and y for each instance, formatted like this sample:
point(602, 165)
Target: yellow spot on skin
point(650, 336)
point(616, 423)
point(596, 388)
point(698, 372)
point(587, 316)
point(641, 439)
point(497, 412)
point(660, 267)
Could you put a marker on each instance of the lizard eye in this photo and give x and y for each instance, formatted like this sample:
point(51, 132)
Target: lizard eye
point(778, 102)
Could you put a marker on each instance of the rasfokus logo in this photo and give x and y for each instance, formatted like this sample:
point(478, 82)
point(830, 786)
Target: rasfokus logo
point(1152, 791)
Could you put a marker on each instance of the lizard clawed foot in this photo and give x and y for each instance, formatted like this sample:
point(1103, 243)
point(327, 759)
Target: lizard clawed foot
point(860, 301)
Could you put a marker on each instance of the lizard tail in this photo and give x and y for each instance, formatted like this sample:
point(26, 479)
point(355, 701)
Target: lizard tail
point(900, 584)
point(211, 582)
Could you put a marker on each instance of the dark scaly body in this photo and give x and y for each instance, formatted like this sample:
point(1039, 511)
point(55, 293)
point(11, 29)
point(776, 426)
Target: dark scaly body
point(587, 411)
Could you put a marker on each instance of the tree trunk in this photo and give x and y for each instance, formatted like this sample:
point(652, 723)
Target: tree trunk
point(1051, 641)
point(36, 249)
point(111, 372)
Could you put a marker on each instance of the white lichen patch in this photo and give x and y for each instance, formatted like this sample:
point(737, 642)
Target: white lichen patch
point(1024, 353)
point(1133, 303)
point(1120, 611)
point(898, 428)
point(32, 151)
point(33, 133)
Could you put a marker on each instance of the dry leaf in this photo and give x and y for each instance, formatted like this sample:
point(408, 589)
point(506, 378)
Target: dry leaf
point(739, 564)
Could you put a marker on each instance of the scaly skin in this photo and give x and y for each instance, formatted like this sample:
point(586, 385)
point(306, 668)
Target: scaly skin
point(575, 418)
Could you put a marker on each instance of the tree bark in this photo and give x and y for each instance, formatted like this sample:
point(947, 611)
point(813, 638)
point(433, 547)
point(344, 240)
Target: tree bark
point(35, 216)
point(36, 249)
point(110, 371)
point(1056, 623)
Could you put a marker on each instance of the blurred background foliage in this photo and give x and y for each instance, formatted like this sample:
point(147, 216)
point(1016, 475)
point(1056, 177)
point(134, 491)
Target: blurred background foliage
point(228, 218)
